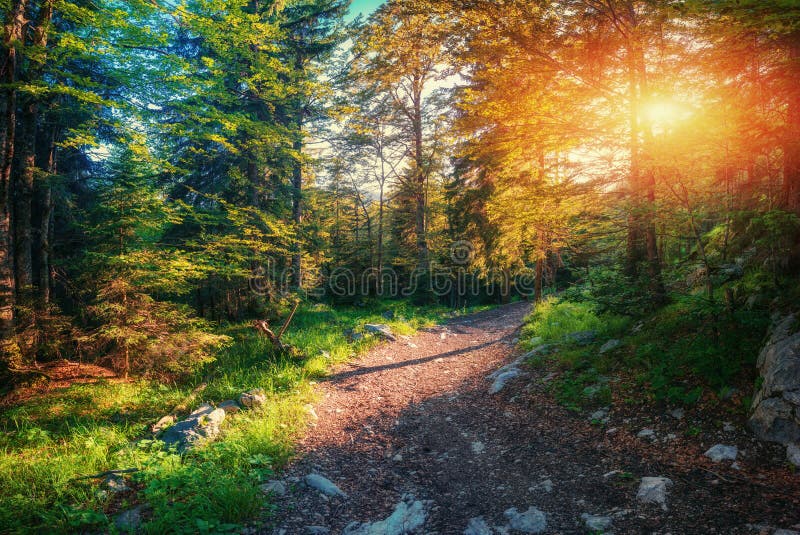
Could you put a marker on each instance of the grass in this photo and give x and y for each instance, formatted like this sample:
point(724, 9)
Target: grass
point(677, 354)
point(48, 442)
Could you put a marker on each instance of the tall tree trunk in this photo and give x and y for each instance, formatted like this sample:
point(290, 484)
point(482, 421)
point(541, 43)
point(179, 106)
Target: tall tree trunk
point(12, 37)
point(791, 148)
point(45, 223)
point(23, 199)
point(297, 191)
point(423, 256)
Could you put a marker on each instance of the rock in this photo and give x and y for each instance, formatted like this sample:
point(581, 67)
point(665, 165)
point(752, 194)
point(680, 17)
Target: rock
point(478, 526)
point(384, 331)
point(501, 380)
point(610, 346)
point(253, 398)
point(229, 406)
point(654, 490)
point(582, 338)
point(200, 426)
point(388, 314)
point(130, 520)
point(599, 415)
point(720, 452)
point(308, 408)
point(531, 521)
point(478, 448)
point(731, 271)
point(728, 427)
point(409, 516)
point(116, 484)
point(793, 454)
point(646, 433)
point(324, 485)
point(273, 486)
point(163, 423)
point(678, 414)
point(596, 522)
point(317, 530)
point(546, 485)
point(785, 532)
point(776, 414)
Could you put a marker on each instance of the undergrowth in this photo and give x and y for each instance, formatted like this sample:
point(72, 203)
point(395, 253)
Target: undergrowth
point(677, 354)
point(49, 442)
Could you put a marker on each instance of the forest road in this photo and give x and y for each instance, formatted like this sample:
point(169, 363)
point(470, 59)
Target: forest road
point(414, 419)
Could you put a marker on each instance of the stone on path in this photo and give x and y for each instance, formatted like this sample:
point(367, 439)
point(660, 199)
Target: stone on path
point(646, 433)
point(324, 485)
point(273, 486)
point(501, 380)
point(654, 490)
point(409, 516)
point(597, 522)
point(478, 447)
point(531, 521)
point(384, 331)
point(678, 413)
point(720, 452)
point(317, 530)
point(478, 526)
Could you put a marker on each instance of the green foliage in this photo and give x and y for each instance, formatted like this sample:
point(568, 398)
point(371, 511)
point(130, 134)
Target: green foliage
point(553, 319)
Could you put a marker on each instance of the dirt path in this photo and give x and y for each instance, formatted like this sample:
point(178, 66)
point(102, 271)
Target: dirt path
point(415, 418)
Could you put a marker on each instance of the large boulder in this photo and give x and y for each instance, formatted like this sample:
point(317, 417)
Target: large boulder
point(776, 403)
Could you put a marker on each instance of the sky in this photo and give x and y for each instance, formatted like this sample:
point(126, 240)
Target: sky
point(364, 6)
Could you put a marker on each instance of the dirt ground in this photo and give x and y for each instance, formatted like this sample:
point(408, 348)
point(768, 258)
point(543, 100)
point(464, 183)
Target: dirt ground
point(416, 417)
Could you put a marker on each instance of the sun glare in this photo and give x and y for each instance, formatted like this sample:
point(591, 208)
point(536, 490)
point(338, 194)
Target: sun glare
point(662, 112)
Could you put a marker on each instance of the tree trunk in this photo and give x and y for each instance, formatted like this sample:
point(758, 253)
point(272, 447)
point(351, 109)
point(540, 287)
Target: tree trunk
point(791, 148)
point(423, 256)
point(23, 200)
point(12, 36)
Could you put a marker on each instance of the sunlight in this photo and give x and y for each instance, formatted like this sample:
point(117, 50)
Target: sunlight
point(662, 112)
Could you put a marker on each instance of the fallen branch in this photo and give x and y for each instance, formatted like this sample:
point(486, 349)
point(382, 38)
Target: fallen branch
point(109, 473)
point(262, 326)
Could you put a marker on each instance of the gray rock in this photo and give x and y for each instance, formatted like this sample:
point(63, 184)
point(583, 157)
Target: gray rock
point(720, 452)
point(531, 521)
point(596, 522)
point(546, 485)
point(273, 486)
point(599, 415)
point(582, 338)
point(163, 423)
point(478, 447)
point(654, 490)
point(317, 530)
point(793, 454)
point(776, 414)
point(229, 406)
point(324, 485)
point(785, 532)
point(610, 346)
point(678, 414)
point(388, 314)
point(409, 517)
point(130, 520)
point(116, 484)
point(384, 331)
point(502, 379)
point(731, 271)
point(202, 425)
point(253, 398)
point(646, 433)
point(478, 526)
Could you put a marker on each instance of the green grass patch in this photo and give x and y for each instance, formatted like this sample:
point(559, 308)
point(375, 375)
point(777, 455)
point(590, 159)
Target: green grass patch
point(49, 441)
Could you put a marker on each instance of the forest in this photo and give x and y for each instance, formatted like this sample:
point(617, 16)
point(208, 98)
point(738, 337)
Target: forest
point(201, 197)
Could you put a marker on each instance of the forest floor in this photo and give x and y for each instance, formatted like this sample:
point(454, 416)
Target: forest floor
point(414, 420)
